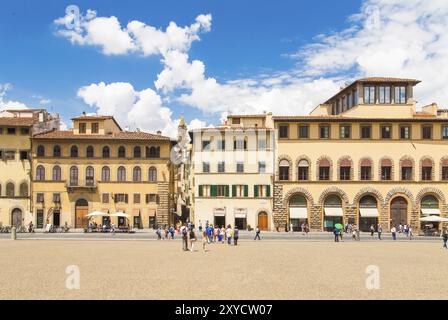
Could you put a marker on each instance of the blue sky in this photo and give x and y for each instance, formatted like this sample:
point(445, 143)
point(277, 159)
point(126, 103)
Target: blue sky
point(247, 40)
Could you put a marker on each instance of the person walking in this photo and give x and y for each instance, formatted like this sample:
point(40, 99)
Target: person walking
point(410, 234)
point(235, 236)
point(229, 234)
point(336, 234)
point(394, 233)
point(192, 239)
point(31, 227)
point(184, 233)
point(257, 233)
point(372, 230)
point(380, 231)
point(303, 227)
point(204, 241)
point(445, 238)
point(222, 234)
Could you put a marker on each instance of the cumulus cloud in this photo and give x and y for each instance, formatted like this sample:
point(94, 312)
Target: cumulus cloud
point(6, 104)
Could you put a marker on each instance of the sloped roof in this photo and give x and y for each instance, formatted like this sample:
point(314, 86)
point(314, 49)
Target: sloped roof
point(15, 121)
point(124, 135)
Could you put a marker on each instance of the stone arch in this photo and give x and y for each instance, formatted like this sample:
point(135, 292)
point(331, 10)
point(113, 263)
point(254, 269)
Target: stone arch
point(281, 158)
point(324, 157)
point(333, 190)
point(346, 157)
point(420, 167)
point(430, 191)
point(297, 190)
point(368, 191)
point(397, 192)
point(372, 166)
point(300, 158)
point(404, 158)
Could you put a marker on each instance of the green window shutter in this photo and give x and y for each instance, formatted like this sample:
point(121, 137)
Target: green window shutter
point(201, 190)
point(233, 190)
point(246, 191)
point(213, 191)
point(268, 191)
point(255, 191)
point(227, 190)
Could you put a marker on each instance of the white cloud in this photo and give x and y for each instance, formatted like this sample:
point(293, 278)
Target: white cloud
point(44, 102)
point(6, 104)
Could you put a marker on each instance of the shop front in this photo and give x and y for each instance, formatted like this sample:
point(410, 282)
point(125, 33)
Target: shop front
point(368, 213)
point(430, 216)
point(241, 218)
point(333, 213)
point(298, 212)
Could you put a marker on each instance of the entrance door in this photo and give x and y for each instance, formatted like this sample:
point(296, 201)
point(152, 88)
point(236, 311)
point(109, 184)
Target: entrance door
point(56, 219)
point(81, 211)
point(16, 218)
point(263, 221)
point(219, 221)
point(398, 212)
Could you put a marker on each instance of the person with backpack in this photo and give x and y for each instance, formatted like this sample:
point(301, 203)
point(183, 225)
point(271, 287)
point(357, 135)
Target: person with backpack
point(257, 233)
point(184, 233)
point(445, 238)
point(235, 236)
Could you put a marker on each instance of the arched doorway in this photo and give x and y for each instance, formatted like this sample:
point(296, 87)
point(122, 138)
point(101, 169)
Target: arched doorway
point(368, 213)
point(333, 212)
point(16, 218)
point(81, 211)
point(298, 211)
point(430, 214)
point(398, 212)
point(263, 221)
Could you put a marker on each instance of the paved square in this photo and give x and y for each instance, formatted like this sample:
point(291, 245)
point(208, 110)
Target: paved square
point(136, 269)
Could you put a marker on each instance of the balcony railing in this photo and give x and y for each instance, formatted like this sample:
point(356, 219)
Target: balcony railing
point(81, 184)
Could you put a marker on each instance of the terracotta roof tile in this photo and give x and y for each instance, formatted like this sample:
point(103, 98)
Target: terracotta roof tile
point(14, 121)
point(135, 135)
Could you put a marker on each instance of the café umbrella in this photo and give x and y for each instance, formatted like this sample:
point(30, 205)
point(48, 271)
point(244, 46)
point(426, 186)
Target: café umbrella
point(339, 226)
point(434, 219)
point(97, 214)
point(120, 215)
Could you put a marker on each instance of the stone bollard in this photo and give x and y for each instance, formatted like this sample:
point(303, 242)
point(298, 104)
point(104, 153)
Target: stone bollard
point(13, 233)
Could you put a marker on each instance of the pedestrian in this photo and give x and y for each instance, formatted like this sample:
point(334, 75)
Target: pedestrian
point(235, 236)
point(159, 233)
point(204, 241)
point(212, 233)
point(410, 234)
point(257, 233)
point(303, 227)
point(184, 232)
point(215, 234)
point(229, 234)
point(336, 234)
point(372, 230)
point(208, 231)
point(291, 228)
point(31, 227)
point(307, 228)
point(172, 232)
point(222, 233)
point(380, 231)
point(192, 239)
point(394, 233)
point(445, 238)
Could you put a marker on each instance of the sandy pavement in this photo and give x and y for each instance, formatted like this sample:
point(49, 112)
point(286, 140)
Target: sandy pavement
point(36, 269)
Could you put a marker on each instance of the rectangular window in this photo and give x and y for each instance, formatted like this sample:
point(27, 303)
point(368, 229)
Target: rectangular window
point(151, 197)
point(344, 103)
point(426, 173)
point(400, 94)
point(105, 198)
point(25, 131)
point(262, 143)
point(324, 173)
point(206, 167)
point(262, 167)
point(240, 144)
point(23, 155)
point(240, 167)
point(39, 219)
point(121, 197)
point(369, 94)
point(236, 120)
point(384, 94)
point(324, 131)
point(95, 127)
point(406, 173)
point(40, 198)
point(445, 132)
point(240, 191)
point(303, 173)
point(405, 132)
point(345, 131)
point(221, 167)
point(221, 145)
point(355, 98)
point(206, 145)
point(82, 128)
point(11, 131)
point(136, 198)
point(283, 173)
point(304, 130)
point(366, 173)
point(283, 131)
point(10, 155)
point(56, 197)
point(426, 132)
point(344, 173)
point(386, 132)
point(262, 191)
point(366, 132)
point(349, 101)
point(221, 191)
point(386, 173)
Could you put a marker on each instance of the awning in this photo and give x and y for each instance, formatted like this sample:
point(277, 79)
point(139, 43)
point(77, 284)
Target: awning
point(120, 215)
point(151, 212)
point(97, 214)
point(298, 213)
point(240, 215)
point(334, 212)
point(430, 212)
point(369, 212)
point(434, 219)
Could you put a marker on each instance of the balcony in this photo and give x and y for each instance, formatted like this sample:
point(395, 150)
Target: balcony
point(73, 185)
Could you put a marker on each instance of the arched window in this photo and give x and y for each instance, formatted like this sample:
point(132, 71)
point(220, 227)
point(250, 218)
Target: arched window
point(41, 151)
point(368, 202)
point(345, 168)
point(74, 176)
point(90, 176)
point(444, 168)
point(24, 189)
point(137, 152)
point(426, 169)
point(368, 213)
point(386, 169)
point(298, 201)
point(10, 190)
point(56, 173)
point(74, 152)
point(283, 170)
point(333, 213)
point(56, 151)
point(406, 169)
point(90, 153)
point(106, 152)
point(152, 174)
point(366, 169)
point(121, 174)
point(324, 169)
point(121, 152)
point(333, 201)
point(40, 173)
point(105, 174)
point(430, 202)
point(303, 170)
point(137, 174)
point(153, 152)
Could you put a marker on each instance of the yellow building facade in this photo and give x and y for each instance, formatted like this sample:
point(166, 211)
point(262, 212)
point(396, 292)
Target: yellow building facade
point(97, 166)
point(365, 157)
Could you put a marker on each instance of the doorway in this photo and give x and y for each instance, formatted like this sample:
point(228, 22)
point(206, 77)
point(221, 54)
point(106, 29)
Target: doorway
point(57, 218)
point(17, 218)
point(263, 221)
point(398, 211)
point(219, 221)
point(81, 211)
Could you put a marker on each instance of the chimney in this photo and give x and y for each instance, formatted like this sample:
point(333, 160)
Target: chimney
point(83, 113)
point(159, 133)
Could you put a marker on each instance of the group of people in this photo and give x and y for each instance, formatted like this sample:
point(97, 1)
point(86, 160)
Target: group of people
point(402, 229)
point(166, 232)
